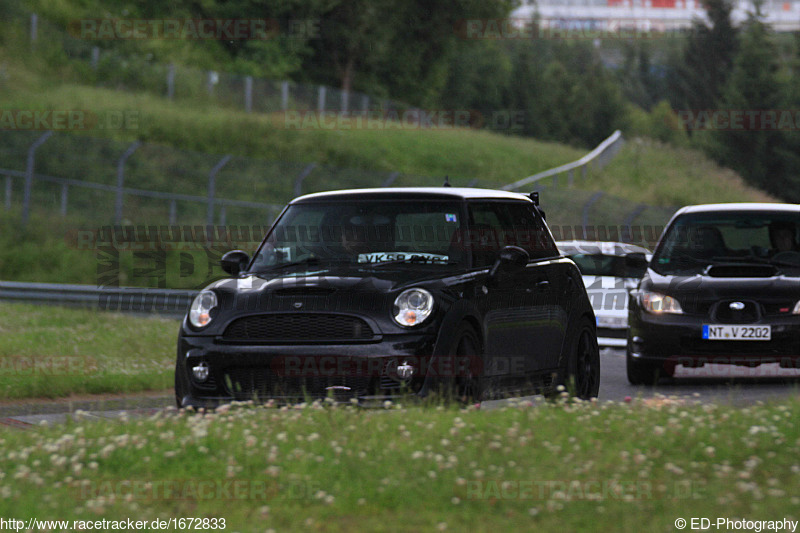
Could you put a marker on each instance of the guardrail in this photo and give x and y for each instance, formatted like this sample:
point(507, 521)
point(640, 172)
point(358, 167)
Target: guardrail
point(167, 302)
point(598, 157)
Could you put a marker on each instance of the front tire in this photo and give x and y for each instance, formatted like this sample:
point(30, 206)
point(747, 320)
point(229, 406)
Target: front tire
point(580, 372)
point(181, 388)
point(646, 373)
point(465, 353)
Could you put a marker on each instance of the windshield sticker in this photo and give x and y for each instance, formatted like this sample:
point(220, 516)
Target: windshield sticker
point(284, 254)
point(380, 257)
point(450, 217)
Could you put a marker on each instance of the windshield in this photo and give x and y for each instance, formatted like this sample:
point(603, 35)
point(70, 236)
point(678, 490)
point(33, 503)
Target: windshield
point(607, 265)
point(365, 233)
point(695, 241)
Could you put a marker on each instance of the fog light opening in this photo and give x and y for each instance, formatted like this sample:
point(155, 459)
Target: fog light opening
point(405, 371)
point(200, 372)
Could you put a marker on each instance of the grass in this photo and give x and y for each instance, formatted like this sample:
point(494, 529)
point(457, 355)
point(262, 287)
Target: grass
point(571, 467)
point(55, 352)
point(653, 173)
point(463, 154)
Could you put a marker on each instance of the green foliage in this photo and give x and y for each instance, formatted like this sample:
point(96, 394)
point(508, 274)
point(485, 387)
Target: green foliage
point(52, 352)
point(755, 152)
point(702, 71)
point(661, 124)
point(558, 91)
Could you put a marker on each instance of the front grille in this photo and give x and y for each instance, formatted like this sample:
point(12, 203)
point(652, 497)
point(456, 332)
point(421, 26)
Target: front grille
point(247, 383)
point(724, 314)
point(298, 327)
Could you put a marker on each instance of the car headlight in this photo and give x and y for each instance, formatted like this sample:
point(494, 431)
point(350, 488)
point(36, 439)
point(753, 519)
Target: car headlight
point(412, 307)
point(796, 310)
point(654, 302)
point(200, 312)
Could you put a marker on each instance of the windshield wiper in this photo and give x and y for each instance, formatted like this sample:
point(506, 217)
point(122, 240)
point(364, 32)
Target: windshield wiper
point(412, 259)
point(740, 259)
point(757, 260)
point(302, 262)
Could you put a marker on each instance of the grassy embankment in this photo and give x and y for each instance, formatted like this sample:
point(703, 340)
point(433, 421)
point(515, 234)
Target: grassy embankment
point(54, 352)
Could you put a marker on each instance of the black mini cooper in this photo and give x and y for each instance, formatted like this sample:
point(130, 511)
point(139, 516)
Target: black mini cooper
point(375, 294)
point(723, 287)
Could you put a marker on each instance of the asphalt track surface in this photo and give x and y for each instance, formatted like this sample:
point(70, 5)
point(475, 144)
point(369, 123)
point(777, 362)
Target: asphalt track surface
point(712, 383)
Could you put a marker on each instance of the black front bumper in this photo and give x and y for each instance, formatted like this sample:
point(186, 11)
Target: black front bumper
point(290, 373)
point(678, 339)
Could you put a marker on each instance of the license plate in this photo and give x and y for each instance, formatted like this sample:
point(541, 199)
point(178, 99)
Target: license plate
point(737, 333)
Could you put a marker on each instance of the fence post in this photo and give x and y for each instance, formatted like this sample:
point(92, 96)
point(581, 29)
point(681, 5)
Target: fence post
point(570, 178)
point(345, 101)
point(170, 81)
point(390, 179)
point(284, 96)
point(298, 183)
point(627, 224)
point(585, 216)
point(321, 99)
point(212, 184)
point(26, 199)
point(8, 192)
point(248, 94)
point(64, 199)
point(121, 179)
point(365, 104)
point(34, 28)
point(95, 57)
point(173, 212)
point(211, 79)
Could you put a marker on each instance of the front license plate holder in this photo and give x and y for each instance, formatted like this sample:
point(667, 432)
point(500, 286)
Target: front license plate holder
point(719, 332)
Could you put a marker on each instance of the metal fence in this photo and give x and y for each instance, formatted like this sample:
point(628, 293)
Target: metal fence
point(107, 67)
point(167, 302)
point(102, 181)
point(596, 159)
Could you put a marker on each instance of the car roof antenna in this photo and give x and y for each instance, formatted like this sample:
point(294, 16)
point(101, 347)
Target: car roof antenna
point(446, 182)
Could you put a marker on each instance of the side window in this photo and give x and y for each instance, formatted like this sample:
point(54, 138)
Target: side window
point(521, 227)
point(493, 225)
point(528, 231)
point(484, 233)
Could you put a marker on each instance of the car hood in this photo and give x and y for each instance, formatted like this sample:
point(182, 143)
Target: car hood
point(703, 286)
point(321, 280)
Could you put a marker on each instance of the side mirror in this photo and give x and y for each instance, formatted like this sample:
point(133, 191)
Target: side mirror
point(510, 259)
point(635, 265)
point(234, 262)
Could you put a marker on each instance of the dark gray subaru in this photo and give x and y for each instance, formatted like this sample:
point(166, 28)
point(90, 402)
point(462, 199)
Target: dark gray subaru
point(374, 294)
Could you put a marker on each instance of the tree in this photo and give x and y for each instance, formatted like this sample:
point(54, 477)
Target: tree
point(396, 47)
point(702, 73)
point(757, 148)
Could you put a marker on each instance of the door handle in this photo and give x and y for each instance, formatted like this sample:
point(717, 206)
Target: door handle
point(543, 283)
